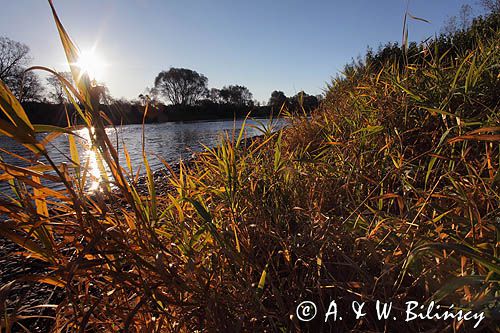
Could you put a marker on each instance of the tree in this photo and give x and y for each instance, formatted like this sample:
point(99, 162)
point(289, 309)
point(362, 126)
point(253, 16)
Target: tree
point(236, 95)
point(14, 58)
point(465, 16)
point(181, 86)
point(215, 96)
point(278, 98)
point(144, 99)
point(104, 94)
point(491, 5)
point(303, 101)
point(460, 22)
point(58, 94)
point(26, 87)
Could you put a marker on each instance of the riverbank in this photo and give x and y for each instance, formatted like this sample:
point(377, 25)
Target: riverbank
point(127, 113)
point(15, 269)
point(388, 192)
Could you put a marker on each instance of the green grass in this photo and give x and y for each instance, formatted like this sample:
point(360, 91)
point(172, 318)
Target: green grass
point(389, 191)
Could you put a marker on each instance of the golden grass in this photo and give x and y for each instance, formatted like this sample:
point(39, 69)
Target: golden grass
point(389, 191)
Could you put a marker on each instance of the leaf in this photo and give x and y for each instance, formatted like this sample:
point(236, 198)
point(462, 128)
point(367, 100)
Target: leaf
point(262, 280)
point(418, 18)
point(201, 210)
point(13, 109)
point(433, 111)
point(6, 230)
point(412, 95)
point(370, 129)
point(492, 263)
point(452, 285)
point(488, 138)
point(40, 203)
point(19, 128)
point(484, 129)
point(53, 281)
point(81, 78)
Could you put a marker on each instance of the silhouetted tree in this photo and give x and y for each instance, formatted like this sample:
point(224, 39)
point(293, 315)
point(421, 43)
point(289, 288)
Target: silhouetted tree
point(104, 94)
point(144, 99)
point(277, 99)
point(303, 101)
point(26, 87)
point(215, 96)
point(491, 5)
point(57, 93)
point(181, 86)
point(460, 22)
point(236, 95)
point(14, 58)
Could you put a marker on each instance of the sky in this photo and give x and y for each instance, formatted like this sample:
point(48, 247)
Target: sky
point(265, 45)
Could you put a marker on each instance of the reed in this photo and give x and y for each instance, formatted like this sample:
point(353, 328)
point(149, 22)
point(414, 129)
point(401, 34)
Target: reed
point(389, 191)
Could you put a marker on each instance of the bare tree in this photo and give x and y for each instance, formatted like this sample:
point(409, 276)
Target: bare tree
point(58, 94)
point(491, 5)
point(465, 16)
point(26, 87)
point(460, 22)
point(14, 58)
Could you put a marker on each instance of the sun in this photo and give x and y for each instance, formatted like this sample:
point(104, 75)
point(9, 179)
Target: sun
point(92, 64)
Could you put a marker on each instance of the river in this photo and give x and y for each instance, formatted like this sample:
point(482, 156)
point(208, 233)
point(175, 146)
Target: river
point(170, 141)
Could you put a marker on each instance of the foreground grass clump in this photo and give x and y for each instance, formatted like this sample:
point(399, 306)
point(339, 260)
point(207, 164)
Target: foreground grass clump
point(389, 191)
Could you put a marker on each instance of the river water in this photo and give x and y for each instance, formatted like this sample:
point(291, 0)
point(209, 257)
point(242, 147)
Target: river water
point(170, 141)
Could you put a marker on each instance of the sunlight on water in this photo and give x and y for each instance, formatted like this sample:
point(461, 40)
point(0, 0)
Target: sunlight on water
point(90, 166)
point(93, 170)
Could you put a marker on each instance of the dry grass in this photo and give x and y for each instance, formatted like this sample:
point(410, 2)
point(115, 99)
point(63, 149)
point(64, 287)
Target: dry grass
point(389, 191)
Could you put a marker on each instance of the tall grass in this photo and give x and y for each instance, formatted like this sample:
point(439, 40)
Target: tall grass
point(389, 191)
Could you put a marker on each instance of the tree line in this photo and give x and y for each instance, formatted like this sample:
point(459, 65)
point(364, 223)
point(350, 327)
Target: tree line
point(177, 94)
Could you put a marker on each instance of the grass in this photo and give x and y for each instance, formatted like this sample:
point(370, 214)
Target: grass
point(389, 191)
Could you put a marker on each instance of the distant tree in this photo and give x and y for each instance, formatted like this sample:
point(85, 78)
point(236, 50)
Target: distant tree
point(150, 95)
point(465, 16)
point(57, 93)
point(181, 86)
point(278, 98)
point(14, 58)
point(144, 99)
point(215, 96)
point(450, 26)
point(236, 95)
point(26, 87)
point(491, 5)
point(104, 94)
point(303, 101)
point(460, 22)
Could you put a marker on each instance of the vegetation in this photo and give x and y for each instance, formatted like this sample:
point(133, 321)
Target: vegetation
point(181, 86)
point(389, 191)
point(301, 101)
point(14, 59)
point(233, 94)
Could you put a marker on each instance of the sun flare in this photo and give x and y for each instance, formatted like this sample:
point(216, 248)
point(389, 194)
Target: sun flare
point(92, 64)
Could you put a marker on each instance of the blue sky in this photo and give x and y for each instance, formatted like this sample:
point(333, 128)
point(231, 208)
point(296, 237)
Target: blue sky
point(286, 45)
